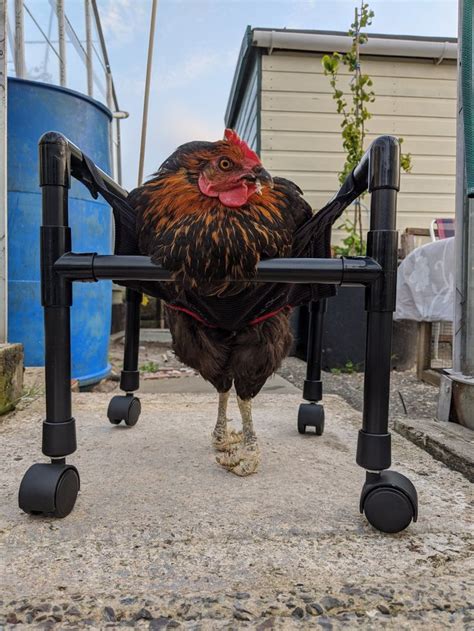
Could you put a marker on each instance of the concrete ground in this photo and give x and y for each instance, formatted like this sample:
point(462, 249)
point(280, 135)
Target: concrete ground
point(162, 537)
point(412, 412)
point(409, 396)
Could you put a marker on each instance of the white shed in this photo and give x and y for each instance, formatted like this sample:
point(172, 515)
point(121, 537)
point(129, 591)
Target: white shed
point(281, 104)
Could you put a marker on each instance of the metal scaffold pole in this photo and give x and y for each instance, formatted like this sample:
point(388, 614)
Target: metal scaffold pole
point(90, 75)
point(3, 173)
point(147, 91)
point(62, 41)
point(464, 358)
point(457, 387)
point(19, 40)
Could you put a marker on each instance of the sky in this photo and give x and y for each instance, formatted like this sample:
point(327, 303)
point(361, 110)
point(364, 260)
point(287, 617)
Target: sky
point(196, 48)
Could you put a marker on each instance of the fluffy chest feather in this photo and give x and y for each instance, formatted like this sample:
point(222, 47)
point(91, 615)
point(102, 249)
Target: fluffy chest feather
point(205, 243)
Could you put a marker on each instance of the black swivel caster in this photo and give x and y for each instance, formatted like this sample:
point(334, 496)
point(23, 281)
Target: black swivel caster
point(49, 489)
point(311, 415)
point(389, 501)
point(124, 408)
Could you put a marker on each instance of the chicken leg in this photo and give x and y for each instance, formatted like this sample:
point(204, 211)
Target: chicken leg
point(243, 459)
point(222, 437)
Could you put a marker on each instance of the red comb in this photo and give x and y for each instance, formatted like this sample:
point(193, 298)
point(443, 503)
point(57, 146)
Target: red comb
point(233, 138)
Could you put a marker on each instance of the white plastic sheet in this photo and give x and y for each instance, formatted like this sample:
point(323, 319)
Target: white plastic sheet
point(425, 283)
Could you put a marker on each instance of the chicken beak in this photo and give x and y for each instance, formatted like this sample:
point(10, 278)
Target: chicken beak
point(260, 178)
point(264, 177)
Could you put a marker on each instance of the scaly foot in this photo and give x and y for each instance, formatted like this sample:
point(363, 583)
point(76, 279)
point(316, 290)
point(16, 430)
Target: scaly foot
point(224, 441)
point(242, 460)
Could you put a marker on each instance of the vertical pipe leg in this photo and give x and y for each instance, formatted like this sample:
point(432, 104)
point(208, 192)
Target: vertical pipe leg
point(127, 407)
point(52, 488)
point(373, 448)
point(130, 377)
point(59, 435)
point(312, 414)
point(312, 389)
point(388, 499)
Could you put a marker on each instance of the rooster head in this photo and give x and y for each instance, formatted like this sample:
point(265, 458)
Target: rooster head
point(227, 169)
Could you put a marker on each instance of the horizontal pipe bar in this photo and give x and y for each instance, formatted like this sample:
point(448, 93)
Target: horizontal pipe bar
point(347, 271)
point(77, 163)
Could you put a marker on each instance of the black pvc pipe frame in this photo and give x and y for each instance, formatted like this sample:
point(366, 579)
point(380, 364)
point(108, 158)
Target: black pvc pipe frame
point(378, 172)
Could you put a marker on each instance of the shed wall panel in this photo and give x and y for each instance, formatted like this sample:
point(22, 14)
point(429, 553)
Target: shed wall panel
point(415, 99)
point(384, 86)
point(320, 122)
point(281, 101)
point(400, 67)
point(293, 142)
point(331, 162)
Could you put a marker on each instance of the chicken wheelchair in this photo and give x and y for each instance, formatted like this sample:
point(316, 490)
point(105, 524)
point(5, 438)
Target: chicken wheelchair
point(388, 499)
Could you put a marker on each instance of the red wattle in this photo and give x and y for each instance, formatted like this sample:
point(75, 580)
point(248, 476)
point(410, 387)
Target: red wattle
point(205, 186)
point(234, 197)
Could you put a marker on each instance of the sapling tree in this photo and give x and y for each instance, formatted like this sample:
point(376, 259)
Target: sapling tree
point(354, 110)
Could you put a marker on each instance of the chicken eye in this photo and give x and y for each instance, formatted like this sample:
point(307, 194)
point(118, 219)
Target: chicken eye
point(225, 164)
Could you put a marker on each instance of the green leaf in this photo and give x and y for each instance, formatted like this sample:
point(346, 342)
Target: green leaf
point(330, 63)
point(354, 114)
point(405, 162)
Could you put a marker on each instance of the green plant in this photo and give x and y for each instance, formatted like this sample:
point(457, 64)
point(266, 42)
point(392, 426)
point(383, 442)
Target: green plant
point(354, 111)
point(348, 368)
point(149, 366)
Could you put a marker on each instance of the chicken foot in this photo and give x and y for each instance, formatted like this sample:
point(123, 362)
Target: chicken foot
point(222, 437)
point(243, 459)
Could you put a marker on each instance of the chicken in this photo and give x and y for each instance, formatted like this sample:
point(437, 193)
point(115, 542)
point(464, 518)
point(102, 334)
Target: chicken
point(209, 215)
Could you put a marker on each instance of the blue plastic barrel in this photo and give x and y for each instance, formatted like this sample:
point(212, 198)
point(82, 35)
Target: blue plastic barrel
point(34, 108)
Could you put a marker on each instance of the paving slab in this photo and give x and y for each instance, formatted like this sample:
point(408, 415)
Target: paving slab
point(150, 383)
point(162, 537)
point(160, 336)
point(451, 443)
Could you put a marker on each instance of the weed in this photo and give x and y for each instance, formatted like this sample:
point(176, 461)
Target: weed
point(348, 368)
point(150, 366)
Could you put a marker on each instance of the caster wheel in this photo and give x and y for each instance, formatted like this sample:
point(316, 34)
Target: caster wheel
point(389, 501)
point(311, 415)
point(49, 489)
point(124, 408)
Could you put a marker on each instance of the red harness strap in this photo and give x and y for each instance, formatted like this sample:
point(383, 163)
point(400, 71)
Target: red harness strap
point(254, 322)
point(266, 316)
point(193, 315)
